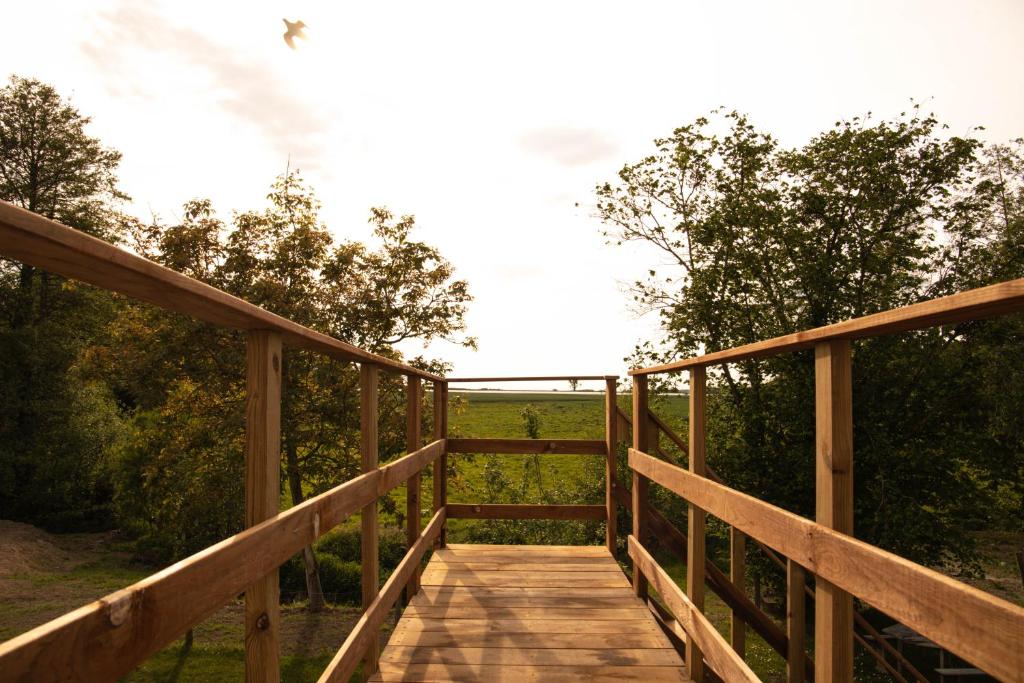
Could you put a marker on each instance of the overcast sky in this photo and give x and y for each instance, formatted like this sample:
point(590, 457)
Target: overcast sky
point(490, 121)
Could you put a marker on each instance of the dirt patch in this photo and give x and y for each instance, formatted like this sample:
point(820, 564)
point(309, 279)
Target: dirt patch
point(24, 548)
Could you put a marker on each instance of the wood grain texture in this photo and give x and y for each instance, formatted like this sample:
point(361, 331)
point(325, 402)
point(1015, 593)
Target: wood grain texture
point(506, 673)
point(611, 447)
point(366, 631)
point(641, 442)
point(469, 624)
point(696, 557)
point(46, 244)
point(738, 578)
point(369, 378)
point(796, 622)
point(975, 304)
point(510, 511)
point(833, 409)
point(413, 442)
point(719, 656)
point(262, 492)
point(548, 378)
point(986, 631)
point(440, 478)
point(108, 638)
point(527, 446)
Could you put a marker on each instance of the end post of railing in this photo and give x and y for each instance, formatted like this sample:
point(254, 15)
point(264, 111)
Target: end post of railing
point(441, 464)
point(641, 427)
point(833, 618)
point(369, 376)
point(262, 497)
point(611, 443)
point(414, 440)
point(695, 516)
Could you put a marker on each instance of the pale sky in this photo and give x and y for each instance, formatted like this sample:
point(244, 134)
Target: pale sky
point(490, 120)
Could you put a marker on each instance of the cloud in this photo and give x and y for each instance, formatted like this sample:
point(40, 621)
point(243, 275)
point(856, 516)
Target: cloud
point(245, 86)
point(569, 146)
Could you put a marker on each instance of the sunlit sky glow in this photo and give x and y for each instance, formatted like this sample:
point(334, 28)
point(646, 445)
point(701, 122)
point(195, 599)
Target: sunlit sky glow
point(489, 121)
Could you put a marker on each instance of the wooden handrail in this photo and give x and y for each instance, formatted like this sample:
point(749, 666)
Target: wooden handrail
point(986, 631)
point(878, 651)
point(366, 629)
point(548, 378)
point(528, 446)
point(46, 244)
point(509, 511)
point(109, 637)
point(974, 304)
point(722, 659)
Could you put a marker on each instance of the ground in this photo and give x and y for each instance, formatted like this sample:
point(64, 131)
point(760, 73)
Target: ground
point(43, 576)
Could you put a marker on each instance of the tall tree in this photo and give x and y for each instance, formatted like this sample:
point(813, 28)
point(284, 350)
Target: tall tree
point(760, 241)
point(54, 424)
point(282, 258)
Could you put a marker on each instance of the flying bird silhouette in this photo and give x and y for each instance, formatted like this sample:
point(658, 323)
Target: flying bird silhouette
point(294, 31)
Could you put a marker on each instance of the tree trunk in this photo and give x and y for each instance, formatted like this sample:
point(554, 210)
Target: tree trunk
point(314, 591)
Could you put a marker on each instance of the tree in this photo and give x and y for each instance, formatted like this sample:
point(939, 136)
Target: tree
point(55, 423)
point(763, 241)
point(282, 258)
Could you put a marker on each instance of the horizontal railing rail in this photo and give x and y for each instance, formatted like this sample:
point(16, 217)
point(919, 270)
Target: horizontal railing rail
point(975, 304)
point(345, 662)
point(970, 623)
point(974, 625)
point(520, 511)
point(542, 378)
point(734, 596)
point(108, 638)
point(722, 659)
point(528, 446)
point(40, 242)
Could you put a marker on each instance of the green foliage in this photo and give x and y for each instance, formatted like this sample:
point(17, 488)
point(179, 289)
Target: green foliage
point(56, 421)
point(870, 215)
point(284, 259)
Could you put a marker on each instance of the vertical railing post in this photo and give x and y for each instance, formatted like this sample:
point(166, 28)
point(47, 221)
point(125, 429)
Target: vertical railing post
point(414, 441)
point(640, 484)
point(611, 443)
point(262, 498)
point(695, 518)
point(833, 619)
point(796, 622)
point(368, 414)
point(738, 577)
point(441, 464)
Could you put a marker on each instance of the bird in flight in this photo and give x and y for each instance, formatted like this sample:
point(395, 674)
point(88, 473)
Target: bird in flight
point(294, 31)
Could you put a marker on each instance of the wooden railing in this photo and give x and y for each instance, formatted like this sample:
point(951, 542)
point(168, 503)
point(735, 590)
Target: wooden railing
point(607, 448)
point(108, 638)
point(980, 628)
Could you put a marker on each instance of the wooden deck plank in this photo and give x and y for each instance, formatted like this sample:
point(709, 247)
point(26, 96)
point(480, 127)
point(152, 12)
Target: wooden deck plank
point(528, 674)
point(527, 613)
point(576, 550)
point(557, 641)
point(512, 656)
point(527, 625)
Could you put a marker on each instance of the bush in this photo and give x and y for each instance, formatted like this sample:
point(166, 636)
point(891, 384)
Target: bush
point(344, 544)
point(341, 580)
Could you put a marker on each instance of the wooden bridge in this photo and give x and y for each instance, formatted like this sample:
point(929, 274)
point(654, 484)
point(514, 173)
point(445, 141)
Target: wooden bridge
point(527, 613)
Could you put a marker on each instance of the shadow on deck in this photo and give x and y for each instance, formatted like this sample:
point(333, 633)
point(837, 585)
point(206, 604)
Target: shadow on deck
point(527, 613)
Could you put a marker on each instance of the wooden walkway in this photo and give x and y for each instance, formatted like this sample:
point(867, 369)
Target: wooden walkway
point(526, 614)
